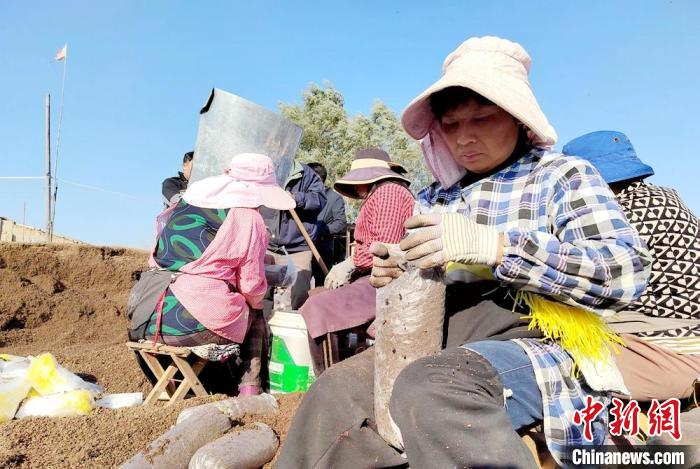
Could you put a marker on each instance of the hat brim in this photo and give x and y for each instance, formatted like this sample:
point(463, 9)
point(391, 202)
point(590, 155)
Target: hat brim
point(618, 173)
point(224, 192)
point(347, 185)
point(611, 153)
point(277, 198)
point(509, 93)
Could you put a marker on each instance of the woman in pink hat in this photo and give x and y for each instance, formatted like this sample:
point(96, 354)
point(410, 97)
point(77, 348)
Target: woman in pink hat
point(207, 277)
point(554, 254)
point(350, 300)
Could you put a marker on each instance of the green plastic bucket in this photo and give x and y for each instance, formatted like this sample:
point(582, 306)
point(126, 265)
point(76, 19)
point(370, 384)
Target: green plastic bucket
point(290, 367)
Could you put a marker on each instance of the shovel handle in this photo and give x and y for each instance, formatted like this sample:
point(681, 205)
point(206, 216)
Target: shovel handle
point(311, 244)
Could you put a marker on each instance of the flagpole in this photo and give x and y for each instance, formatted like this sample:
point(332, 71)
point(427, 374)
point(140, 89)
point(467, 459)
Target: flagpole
point(48, 168)
point(58, 137)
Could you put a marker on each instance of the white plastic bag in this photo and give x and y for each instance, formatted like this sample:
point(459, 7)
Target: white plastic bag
point(236, 407)
point(117, 401)
point(410, 315)
point(12, 392)
point(175, 447)
point(14, 367)
point(62, 404)
point(248, 449)
point(290, 275)
point(281, 275)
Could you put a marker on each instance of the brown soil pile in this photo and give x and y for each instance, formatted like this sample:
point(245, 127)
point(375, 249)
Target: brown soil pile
point(70, 301)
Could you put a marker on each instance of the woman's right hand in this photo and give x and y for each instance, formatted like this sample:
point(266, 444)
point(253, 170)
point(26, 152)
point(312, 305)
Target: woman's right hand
point(385, 267)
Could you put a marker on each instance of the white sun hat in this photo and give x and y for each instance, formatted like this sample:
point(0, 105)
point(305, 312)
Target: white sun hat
point(495, 68)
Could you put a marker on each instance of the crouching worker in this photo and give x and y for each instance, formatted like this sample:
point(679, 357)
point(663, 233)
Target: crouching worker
point(546, 228)
point(350, 301)
point(207, 277)
point(661, 330)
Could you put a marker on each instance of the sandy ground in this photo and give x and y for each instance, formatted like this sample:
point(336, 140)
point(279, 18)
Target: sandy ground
point(70, 301)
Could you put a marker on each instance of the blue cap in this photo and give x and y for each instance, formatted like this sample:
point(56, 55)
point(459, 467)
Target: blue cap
point(611, 153)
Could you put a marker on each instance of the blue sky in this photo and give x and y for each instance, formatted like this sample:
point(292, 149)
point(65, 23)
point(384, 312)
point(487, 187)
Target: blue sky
point(138, 72)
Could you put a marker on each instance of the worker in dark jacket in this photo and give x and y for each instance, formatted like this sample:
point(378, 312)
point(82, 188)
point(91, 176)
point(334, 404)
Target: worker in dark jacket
point(330, 224)
point(309, 193)
point(174, 186)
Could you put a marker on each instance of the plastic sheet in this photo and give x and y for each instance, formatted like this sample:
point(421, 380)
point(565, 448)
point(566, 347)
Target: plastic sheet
point(410, 316)
point(247, 449)
point(117, 401)
point(14, 367)
point(174, 448)
point(281, 275)
point(12, 392)
point(229, 124)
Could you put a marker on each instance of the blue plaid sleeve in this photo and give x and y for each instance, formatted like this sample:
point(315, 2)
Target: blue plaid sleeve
point(589, 256)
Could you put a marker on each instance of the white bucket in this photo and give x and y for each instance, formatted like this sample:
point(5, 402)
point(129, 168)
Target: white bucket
point(291, 368)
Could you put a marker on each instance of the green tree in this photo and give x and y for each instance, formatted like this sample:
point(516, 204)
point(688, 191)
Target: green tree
point(331, 137)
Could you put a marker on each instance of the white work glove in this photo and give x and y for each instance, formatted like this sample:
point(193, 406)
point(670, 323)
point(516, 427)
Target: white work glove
point(385, 267)
point(440, 238)
point(340, 274)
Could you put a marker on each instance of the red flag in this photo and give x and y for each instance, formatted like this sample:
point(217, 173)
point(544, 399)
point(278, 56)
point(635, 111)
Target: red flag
point(61, 54)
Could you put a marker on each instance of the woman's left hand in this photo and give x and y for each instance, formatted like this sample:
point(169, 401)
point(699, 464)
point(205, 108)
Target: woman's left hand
point(340, 274)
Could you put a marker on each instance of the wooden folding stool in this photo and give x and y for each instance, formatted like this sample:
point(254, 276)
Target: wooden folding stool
point(165, 388)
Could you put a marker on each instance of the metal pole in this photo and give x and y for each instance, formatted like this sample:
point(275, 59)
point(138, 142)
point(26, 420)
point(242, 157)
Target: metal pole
point(48, 168)
point(24, 218)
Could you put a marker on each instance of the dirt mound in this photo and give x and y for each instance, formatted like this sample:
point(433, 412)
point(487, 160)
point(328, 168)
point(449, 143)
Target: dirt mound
point(70, 301)
point(106, 438)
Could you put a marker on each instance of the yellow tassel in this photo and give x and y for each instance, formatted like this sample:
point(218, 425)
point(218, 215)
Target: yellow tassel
point(481, 271)
point(583, 334)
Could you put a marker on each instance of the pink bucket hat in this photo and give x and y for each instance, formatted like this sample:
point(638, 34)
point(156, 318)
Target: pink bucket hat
point(248, 181)
point(495, 68)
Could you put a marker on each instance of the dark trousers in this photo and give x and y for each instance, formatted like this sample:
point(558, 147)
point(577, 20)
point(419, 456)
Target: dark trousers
point(450, 407)
point(334, 425)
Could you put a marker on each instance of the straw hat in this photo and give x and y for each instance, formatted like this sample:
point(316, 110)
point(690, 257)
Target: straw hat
point(498, 70)
point(368, 166)
point(611, 153)
point(248, 181)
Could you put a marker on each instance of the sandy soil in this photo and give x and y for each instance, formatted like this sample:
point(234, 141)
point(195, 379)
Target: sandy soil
point(70, 301)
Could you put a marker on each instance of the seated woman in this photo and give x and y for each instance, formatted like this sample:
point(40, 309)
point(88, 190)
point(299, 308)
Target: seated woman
point(207, 277)
point(661, 330)
point(547, 229)
point(387, 203)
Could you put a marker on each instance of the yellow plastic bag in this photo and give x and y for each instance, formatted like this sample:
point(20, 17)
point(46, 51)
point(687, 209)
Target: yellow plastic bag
point(62, 404)
point(48, 377)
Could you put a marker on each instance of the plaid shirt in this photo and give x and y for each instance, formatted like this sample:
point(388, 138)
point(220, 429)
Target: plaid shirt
point(562, 396)
point(381, 219)
point(566, 238)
